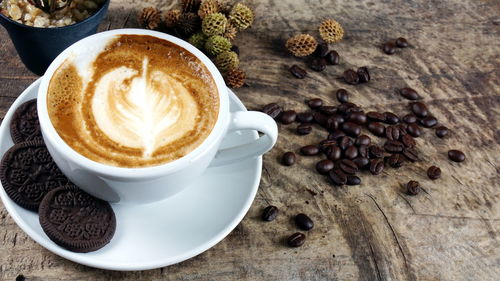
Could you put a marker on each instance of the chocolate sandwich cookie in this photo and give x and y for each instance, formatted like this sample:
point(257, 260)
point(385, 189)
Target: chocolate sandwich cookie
point(28, 172)
point(25, 125)
point(75, 220)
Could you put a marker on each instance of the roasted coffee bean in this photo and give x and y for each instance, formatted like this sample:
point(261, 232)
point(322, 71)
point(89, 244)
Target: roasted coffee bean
point(376, 166)
point(272, 109)
point(363, 140)
point(414, 130)
point(309, 150)
point(353, 109)
point(328, 110)
point(288, 158)
point(345, 107)
point(298, 71)
point(351, 77)
point(402, 128)
point(320, 118)
point(376, 128)
point(315, 103)
point(325, 145)
point(318, 64)
point(361, 162)
point(409, 93)
point(351, 152)
point(429, 121)
point(408, 141)
point(410, 118)
point(270, 213)
point(353, 180)
point(304, 222)
point(363, 150)
point(332, 58)
point(345, 142)
point(441, 131)
point(348, 166)
point(395, 160)
point(335, 153)
point(376, 116)
point(434, 172)
point(358, 118)
point(331, 124)
point(456, 155)
point(288, 117)
point(351, 129)
point(324, 166)
point(401, 42)
point(393, 146)
point(392, 133)
point(411, 154)
point(296, 240)
point(419, 109)
point(304, 129)
point(364, 75)
point(335, 135)
point(305, 117)
point(412, 188)
point(391, 118)
point(321, 50)
point(389, 48)
point(339, 118)
point(337, 177)
point(375, 151)
point(342, 95)
point(20, 277)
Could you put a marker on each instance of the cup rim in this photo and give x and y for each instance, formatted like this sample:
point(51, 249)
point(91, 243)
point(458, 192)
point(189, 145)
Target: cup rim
point(75, 25)
point(135, 173)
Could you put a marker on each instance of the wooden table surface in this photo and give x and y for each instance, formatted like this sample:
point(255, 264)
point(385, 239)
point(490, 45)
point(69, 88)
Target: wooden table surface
point(368, 232)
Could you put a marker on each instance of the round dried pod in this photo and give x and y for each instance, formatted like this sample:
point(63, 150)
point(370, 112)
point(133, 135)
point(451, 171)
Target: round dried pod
point(241, 16)
point(235, 78)
point(149, 18)
point(214, 24)
point(230, 32)
point(171, 18)
point(198, 40)
point(301, 45)
point(190, 6)
point(217, 44)
point(188, 24)
point(226, 61)
point(208, 7)
point(331, 31)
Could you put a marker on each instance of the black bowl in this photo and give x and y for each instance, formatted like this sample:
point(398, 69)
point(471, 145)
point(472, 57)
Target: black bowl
point(38, 47)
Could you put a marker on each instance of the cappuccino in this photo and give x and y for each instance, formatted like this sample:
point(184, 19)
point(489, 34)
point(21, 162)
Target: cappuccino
point(142, 101)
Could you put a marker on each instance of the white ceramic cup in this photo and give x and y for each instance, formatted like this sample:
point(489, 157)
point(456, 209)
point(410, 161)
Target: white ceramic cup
point(149, 184)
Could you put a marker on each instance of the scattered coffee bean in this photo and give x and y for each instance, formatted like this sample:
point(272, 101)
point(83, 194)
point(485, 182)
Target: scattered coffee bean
point(456, 155)
point(392, 133)
point(345, 107)
point(395, 160)
point(361, 162)
point(304, 222)
point(288, 158)
point(296, 240)
point(351, 152)
point(305, 117)
point(321, 50)
point(272, 109)
point(332, 58)
point(411, 154)
point(304, 129)
point(288, 117)
point(441, 131)
point(335, 153)
point(363, 140)
point(376, 151)
point(353, 180)
point(338, 118)
point(337, 177)
point(419, 109)
point(401, 42)
point(412, 188)
point(345, 142)
point(326, 145)
point(270, 213)
point(348, 166)
point(434, 172)
point(429, 121)
point(351, 77)
point(20, 277)
point(376, 116)
point(320, 118)
point(376, 166)
point(389, 48)
point(393, 146)
point(363, 150)
point(351, 129)
point(402, 128)
point(336, 134)
point(318, 64)
point(315, 103)
point(331, 124)
point(410, 118)
point(328, 110)
point(298, 71)
point(342, 95)
point(391, 118)
point(414, 130)
point(364, 75)
point(358, 118)
point(376, 128)
point(309, 150)
point(324, 166)
point(409, 93)
point(408, 141)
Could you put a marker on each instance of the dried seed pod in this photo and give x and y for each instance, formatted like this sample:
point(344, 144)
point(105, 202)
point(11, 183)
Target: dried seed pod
point(190, 6)
point(198, 40)
point(301, 45)
point(188, 24)
point(226, 61)
point(235, 78)
point(217, 44)
point(241, 16)
point(171, 18)
point(214, 24)
point(230, 32)
point(331, 31)
point(208, 7)
point(149, 18)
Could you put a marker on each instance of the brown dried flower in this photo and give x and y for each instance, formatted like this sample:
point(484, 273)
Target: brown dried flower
point(301, 45)
point(331, 31)
point(171, 18)
point(235, 78)
point(190, 6)
point(208, 7)
point(188, 24)
point(230, 32)
point(149, 18)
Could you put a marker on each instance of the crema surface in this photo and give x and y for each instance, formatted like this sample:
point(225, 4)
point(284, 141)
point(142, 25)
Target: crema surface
point(142, 102)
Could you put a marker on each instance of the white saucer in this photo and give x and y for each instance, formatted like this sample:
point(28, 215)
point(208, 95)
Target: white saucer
point(164, 233)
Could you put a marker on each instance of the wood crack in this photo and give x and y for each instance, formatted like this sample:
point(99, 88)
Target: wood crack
point(407, 202)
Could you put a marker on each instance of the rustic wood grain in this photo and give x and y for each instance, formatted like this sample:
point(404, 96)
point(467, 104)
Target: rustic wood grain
point(370, 232)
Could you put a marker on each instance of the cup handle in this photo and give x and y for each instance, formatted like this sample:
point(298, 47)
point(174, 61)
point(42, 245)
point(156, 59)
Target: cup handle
point(248, 120)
